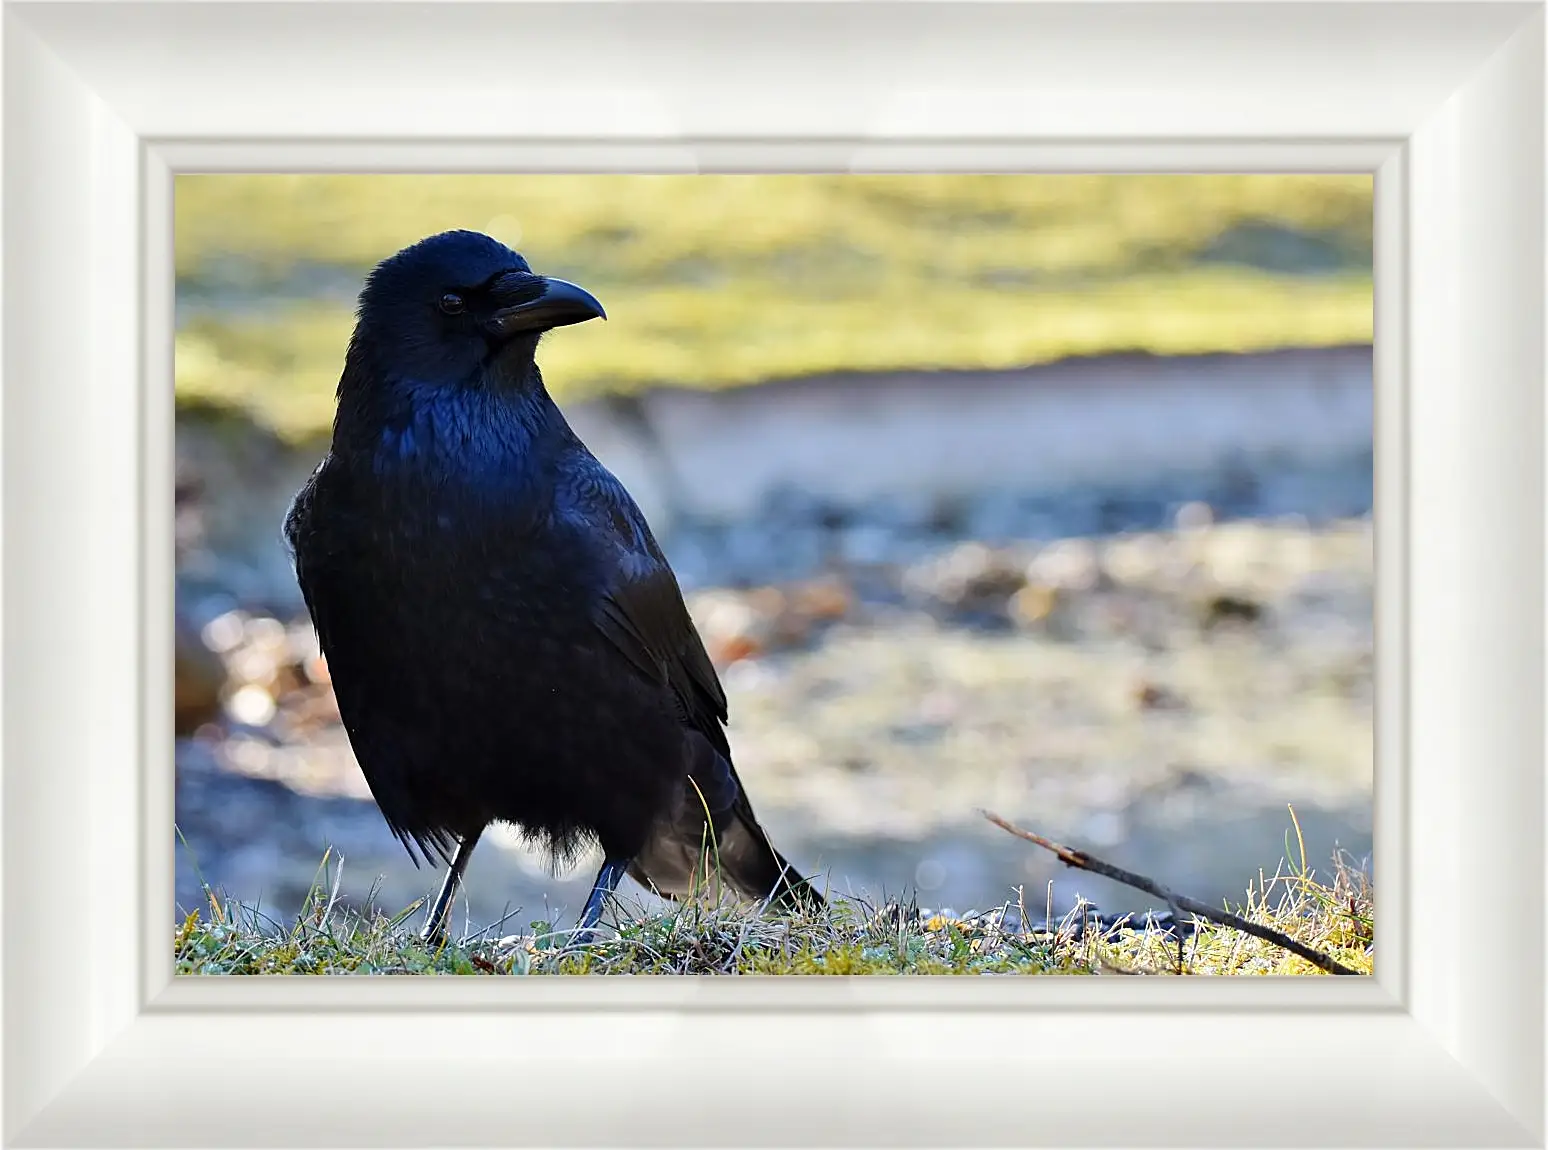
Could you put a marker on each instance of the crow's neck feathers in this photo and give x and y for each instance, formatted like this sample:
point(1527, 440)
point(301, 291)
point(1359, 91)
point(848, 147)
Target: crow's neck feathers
point(484, 427)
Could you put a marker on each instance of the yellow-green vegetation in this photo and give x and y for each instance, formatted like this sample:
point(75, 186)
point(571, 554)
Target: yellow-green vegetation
point(715, 281)
point(1334, 916)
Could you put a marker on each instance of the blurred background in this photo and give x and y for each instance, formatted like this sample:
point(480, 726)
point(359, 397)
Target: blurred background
point(1046, 494)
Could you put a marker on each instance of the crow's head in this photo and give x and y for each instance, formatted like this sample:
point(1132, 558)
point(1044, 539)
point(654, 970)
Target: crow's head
point(443, 308)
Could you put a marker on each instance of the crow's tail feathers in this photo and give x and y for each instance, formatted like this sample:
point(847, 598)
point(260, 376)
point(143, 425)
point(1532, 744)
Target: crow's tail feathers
point(716, 820)
point(673, 862)
point(750, 863)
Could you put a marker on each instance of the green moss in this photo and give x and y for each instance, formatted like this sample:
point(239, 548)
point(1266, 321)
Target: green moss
point(690, 228)
point(714, 281)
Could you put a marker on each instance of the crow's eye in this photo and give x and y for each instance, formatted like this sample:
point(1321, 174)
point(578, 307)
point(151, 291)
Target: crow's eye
point(452, 304)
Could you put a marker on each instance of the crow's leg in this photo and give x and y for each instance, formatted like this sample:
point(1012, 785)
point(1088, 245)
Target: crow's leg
point(435, 922)
point(606, 883)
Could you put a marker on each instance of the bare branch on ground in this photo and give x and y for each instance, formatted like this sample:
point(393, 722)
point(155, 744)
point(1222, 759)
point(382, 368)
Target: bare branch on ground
point(1082, 861)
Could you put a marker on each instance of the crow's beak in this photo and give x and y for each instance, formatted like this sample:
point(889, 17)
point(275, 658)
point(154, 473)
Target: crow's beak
point(537, 303)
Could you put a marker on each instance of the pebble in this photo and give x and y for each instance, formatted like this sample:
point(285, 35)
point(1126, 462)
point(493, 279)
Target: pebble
point(224, 632)
point(199, 677)
point(252, 705)
point(1194, 517)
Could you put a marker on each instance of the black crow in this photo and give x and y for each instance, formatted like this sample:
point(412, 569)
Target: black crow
point(505, 637)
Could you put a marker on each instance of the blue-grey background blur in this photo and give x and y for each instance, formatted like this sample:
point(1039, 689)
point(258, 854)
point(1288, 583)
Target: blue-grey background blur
point(1047, 494)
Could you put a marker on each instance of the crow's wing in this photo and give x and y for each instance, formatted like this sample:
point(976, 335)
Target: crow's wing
point(315, 532)
point(307, 547)
point(643, 616)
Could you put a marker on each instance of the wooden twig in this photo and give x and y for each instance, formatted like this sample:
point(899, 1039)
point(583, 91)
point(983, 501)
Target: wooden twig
point(1083, 861)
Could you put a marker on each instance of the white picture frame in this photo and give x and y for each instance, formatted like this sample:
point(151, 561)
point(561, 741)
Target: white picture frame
point(104, 102)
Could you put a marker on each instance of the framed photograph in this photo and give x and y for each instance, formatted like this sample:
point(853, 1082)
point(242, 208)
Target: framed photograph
point(193, 195)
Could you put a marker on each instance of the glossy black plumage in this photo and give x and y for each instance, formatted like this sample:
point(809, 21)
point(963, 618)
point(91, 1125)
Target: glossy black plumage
point(505, 637)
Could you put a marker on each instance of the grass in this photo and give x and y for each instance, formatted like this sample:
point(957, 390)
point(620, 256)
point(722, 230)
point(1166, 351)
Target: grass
point(715, 281)
point(1335, 915)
